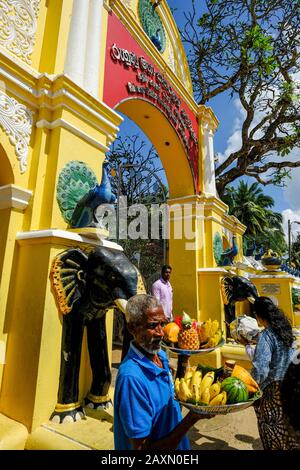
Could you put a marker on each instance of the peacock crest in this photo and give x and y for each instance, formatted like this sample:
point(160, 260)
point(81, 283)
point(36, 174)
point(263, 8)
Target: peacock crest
point(79, 195)
point(74, 182)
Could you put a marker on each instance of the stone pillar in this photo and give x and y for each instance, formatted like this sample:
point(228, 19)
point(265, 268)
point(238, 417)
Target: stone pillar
point(76, 50)
point(93, 42)
point(209, 161)
point(208, 124)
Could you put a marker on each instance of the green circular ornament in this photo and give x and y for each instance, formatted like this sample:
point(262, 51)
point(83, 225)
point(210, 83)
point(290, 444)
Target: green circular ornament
point(152, 24)
point(74, 181)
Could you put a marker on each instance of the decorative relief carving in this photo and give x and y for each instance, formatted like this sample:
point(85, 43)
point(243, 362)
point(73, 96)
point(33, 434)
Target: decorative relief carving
point(18, 20)
point(16, 120)
point(171, 58)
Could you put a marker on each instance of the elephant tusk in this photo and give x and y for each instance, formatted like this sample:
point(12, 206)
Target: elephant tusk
point(121, 304)
point(251, 299)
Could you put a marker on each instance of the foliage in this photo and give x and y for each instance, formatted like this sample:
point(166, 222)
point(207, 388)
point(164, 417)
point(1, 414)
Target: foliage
point(250, 49)
point(295, 252)
point(253, 208)
point(139, 169)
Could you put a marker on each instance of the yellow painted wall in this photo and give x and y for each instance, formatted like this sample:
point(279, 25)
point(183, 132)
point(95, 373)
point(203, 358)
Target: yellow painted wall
point(52, 36)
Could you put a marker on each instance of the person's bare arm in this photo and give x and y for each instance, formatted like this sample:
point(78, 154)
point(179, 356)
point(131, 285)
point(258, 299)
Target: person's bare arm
point(172, 440)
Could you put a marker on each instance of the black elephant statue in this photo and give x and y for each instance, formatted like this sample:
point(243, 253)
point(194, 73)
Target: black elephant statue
point(85, 286)
point(236, 289)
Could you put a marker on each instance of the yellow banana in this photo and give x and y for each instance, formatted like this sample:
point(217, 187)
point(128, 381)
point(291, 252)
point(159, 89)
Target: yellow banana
point(224, 398)
point(205, 396)
point(207, 381)
point(184, 391)
point(214, 390)
point(196, 379)
point(196, 393)
point(217, 400)
point(207, 327)
point(214, 327)
point(214, 340)
point(176, 386)
point(188, 377)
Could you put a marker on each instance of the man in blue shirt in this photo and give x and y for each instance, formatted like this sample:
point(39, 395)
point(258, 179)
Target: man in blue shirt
point(146, 415)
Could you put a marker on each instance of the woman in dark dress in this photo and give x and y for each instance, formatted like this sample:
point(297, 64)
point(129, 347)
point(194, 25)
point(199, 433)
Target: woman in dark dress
point(272, 356)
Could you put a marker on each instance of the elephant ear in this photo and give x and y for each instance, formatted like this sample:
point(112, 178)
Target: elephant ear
point(140, 288)
point(227, 289)
point(68, 278)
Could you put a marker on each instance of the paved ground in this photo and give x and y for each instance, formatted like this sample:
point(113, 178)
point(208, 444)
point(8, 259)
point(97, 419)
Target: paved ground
point(236, 431)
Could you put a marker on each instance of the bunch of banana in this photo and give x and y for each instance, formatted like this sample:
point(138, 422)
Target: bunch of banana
point(188, 387)
point(183, 391)
point(214, 340)
point(206, 382)
point(207, 328)
point(195, 389)
point(215, 326)
point(218, 400)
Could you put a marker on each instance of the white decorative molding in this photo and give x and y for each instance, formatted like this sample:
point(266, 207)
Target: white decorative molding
point(171, 58)
point(18, 22)
point(43, 123)
point(14, 196)
point(16, 121)
point(63, 237)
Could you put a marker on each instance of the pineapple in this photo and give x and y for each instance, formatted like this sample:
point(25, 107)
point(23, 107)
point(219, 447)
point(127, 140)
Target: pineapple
point(188, 336)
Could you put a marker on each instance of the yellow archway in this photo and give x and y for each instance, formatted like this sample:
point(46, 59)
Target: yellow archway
point(167, 143)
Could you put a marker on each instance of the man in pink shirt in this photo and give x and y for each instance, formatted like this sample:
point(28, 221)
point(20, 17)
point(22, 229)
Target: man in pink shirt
point(162, 290)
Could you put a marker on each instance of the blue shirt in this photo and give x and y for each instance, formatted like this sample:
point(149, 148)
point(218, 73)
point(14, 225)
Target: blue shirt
point(271, 358)
point(144, 403)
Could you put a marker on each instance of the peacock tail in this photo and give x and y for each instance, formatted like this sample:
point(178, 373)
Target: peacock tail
point(74, 182)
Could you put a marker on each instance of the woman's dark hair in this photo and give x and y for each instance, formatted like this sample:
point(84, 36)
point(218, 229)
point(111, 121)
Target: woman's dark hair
point(290, 393)
point(265, 309)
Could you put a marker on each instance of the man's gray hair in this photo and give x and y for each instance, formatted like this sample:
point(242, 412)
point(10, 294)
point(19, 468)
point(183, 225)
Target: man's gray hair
point(137, 305)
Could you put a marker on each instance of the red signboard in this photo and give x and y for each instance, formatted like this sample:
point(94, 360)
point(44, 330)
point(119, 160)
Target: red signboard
point(129, 73)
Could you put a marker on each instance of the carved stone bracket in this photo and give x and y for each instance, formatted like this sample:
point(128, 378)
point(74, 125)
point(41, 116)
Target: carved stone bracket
point(18, 21)
point(16, 121)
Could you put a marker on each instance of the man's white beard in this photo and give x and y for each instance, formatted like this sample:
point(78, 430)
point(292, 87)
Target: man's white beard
point(151, 349)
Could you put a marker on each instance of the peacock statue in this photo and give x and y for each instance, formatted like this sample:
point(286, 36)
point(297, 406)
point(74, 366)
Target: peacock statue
point(228, 255)
point(156, 39)
point(79, 195)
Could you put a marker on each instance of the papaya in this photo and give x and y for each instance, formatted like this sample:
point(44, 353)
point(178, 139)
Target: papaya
point(244, 375)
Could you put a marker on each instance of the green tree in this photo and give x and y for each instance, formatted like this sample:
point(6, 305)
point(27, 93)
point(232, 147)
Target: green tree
point(250, 49)
point(141, 170)
point(295, 252)
point(136, 169)
point(254, 209)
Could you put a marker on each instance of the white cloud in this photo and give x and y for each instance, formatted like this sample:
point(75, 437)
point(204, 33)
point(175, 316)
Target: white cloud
point(293, 216)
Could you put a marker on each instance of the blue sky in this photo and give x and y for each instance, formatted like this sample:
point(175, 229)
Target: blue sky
point(228, 112)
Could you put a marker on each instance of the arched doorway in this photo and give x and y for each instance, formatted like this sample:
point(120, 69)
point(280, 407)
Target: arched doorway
point(166, 141)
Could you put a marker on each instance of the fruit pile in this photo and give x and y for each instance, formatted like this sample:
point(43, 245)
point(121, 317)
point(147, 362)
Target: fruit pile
point(213, 389)
point(187, 333)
